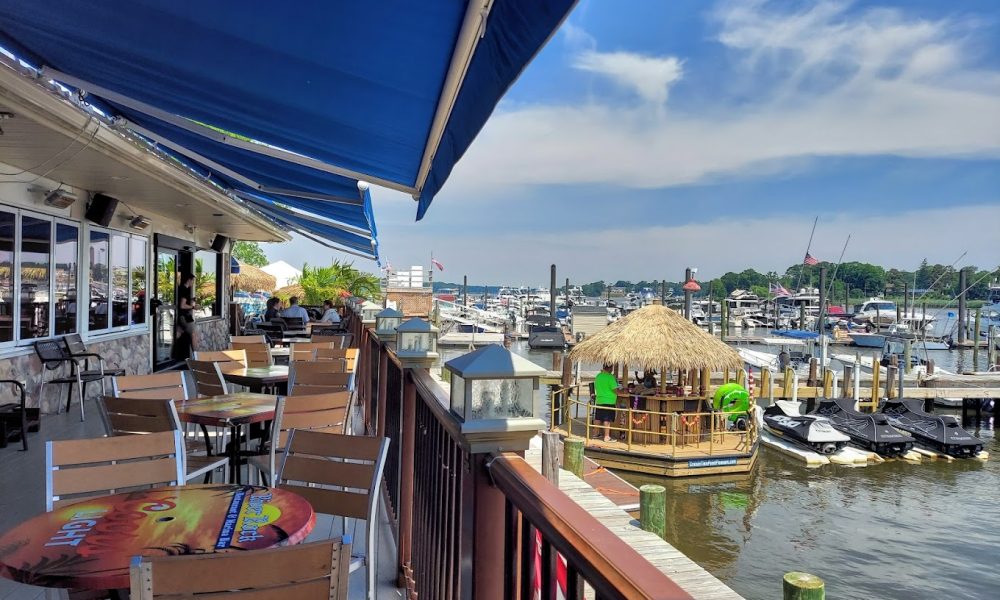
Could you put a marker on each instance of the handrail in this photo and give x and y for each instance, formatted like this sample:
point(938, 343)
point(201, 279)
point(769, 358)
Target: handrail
point(612, 567)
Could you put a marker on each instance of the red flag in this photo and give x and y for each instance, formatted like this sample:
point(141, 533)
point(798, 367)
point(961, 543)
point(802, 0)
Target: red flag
point(809, 260)
point(437, 264)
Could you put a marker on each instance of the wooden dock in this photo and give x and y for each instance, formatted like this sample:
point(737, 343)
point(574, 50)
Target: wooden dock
point(695, 580)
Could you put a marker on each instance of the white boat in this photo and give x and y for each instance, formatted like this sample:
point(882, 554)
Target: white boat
point(867, 340)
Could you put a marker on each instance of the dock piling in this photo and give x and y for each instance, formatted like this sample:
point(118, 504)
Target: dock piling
point(848, 377)
point(653, 509)
point(550, 456)
point(961, 306)
point(975, 339)
point(907, 355)
point(573, 455)
point(802, 586)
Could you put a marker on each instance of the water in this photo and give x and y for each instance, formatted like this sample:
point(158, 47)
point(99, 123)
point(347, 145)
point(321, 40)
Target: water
point(896, 530)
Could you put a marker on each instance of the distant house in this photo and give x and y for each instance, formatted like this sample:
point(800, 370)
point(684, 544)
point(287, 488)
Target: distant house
point(283, 272)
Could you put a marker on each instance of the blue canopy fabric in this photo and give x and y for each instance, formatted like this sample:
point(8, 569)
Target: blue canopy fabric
point(307, 77)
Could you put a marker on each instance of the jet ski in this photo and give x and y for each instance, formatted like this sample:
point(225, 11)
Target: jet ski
point(871, 431)
point(940, 432)
point(812, 431)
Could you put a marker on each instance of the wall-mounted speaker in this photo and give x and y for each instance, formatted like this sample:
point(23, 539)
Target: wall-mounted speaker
point(101, 209)
point(219, 243)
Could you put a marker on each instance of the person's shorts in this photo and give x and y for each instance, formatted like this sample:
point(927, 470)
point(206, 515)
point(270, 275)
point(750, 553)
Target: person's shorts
point(604, 413)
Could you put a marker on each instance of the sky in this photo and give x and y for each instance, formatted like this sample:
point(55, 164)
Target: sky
point(647, 137)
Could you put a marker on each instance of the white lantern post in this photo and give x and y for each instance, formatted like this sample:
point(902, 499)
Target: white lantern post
point(416, 344)
point(386, 322)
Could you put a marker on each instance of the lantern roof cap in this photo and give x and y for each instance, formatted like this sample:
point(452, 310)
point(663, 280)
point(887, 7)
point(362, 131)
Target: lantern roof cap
point(493, 362)
point(415, 325)
point(390, 312)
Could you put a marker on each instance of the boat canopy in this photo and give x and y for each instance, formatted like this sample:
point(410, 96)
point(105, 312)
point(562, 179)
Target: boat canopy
point(391, 93)
point(797, 334)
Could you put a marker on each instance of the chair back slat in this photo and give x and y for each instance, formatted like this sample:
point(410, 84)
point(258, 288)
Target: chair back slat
point(331, 502)
point(301, 354)
point(105, 465)
point(225, 357)
point(317, 378)
point(258, 354)
point(348, 355)
point(320, 412)
point(248, 339)
point(128, 416)
point(51, 353)
point(340, 340)
point(208, 380)
point(313, 571)
point(157, 385)
point(328, 472)
point(74, 343)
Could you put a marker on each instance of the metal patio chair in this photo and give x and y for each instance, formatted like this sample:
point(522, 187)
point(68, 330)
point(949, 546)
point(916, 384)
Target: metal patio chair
point(54, 357)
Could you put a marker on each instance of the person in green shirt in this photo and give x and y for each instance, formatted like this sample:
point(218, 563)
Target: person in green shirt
point(605, 398)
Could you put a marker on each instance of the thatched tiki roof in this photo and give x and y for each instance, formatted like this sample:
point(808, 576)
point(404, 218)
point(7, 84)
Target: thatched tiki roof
point(252, 279)
point(656, 337)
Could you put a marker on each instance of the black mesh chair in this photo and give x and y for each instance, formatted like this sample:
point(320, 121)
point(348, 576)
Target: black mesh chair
point(258, 331)
point(55, 357)
point(294, 323)
point(14, 417)
point(77, 349)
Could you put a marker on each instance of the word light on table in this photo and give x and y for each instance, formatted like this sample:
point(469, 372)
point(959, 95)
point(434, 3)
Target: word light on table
point(387, 321)
point(494, 384)
point(416, 343)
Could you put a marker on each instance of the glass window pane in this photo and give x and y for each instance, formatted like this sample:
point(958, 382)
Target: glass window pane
point(119, 281)
point(206, 284)
point(138, 262)
point(36, 246)
point(67, 246)
point(502, 398)
point(99, 241)
point(6, 276)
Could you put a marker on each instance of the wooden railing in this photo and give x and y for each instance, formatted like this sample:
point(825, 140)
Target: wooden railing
point(472, 523)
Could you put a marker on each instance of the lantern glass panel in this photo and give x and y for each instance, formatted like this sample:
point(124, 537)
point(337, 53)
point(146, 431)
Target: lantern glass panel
point(417, 342)
point(387, 324)
point(457, 395)
point(501, 398)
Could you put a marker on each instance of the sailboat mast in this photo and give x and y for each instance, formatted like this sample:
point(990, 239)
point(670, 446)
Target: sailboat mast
point(798, 281)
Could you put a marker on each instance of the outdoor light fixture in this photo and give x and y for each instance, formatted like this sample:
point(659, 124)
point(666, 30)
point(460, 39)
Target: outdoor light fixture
point(416, 343)
point(139, 222)
point(493, 383)
point(369, 310)
point(59, 199)
point(387, 321)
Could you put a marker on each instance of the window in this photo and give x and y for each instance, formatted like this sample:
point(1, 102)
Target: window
point(7, 229)
point(137, 258)
point(36, 247)
point(120, 291)
point(67, 248)
point(206, 283)
point(99, 241)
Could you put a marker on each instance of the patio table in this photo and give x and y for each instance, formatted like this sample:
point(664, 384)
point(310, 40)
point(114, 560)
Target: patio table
point(232, 411)
point(280, 355)
point(257, 378)
point(88, 545)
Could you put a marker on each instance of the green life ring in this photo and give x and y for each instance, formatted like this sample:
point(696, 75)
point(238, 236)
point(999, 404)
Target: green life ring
point(733, 399)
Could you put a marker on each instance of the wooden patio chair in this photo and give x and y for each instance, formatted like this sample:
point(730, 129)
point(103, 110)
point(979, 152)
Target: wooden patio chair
point(248, 339)
point(170, 384)
point(225, 358)
point(340, 475)
point(314, 571)
point(340, 340)
point(317, 412)
point(79, 469)
point(258, 353)
point(319, 377)
point(208, 379)
point(348, 355)
point(142, 416)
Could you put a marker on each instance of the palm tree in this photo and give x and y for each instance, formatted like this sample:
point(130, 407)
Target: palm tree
point(326, 283)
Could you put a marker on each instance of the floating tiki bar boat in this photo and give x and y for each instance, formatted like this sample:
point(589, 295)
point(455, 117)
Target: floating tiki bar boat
point(671, 428)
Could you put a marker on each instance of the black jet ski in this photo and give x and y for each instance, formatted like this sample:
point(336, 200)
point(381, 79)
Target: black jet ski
point(940, 432)
point(812, 431)
point(871, 431)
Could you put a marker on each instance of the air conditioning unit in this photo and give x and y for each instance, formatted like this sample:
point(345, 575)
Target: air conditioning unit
point(59, 199)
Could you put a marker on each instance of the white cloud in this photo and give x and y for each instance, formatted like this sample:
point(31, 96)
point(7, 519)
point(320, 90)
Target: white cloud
point(648, 76)
point(820, 82)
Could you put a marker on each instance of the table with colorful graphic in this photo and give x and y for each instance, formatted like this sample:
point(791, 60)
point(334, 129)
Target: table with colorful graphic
point(88, 545)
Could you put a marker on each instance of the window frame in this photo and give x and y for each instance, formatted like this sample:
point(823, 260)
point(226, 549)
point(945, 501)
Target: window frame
point(129, 326)
point(217, 305)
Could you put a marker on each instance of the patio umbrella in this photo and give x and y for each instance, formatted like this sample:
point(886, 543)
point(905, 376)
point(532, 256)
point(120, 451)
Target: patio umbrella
point(657, 337)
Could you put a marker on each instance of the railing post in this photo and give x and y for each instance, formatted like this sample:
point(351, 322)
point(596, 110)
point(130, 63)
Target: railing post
point(489, 541)
point(406, 480)
point(383, 373)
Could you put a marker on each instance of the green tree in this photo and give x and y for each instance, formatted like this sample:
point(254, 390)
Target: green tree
point(326, 283)
point(250, 253)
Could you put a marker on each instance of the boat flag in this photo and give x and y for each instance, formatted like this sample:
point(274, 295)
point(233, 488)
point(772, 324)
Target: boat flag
point(437, 264)
point(778, 290)
point(809, 260)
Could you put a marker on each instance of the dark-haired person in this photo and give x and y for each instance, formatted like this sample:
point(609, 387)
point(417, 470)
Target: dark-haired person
point(271, 309)
point(330, 314)
point(605, 399)
point(184, 340)
point(295, 311)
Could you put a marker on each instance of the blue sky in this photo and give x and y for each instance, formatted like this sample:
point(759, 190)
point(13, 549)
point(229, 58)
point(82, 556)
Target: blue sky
point(650, 136)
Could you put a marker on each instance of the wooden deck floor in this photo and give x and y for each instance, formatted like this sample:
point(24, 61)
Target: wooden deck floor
point(695, 580)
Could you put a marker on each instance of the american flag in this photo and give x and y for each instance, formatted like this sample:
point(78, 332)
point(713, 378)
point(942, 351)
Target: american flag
point(809, 260)
point(437, 264)
point(778, 290)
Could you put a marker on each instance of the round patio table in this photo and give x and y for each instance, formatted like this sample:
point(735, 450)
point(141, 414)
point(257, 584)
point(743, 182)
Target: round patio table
point(89, 545)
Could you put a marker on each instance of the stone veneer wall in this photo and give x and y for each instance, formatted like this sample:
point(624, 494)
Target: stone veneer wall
point(213, 334)
point(131, 353)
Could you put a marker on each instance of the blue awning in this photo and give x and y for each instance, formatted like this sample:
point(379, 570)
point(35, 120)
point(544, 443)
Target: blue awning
point(390, 92)
point(234, 266)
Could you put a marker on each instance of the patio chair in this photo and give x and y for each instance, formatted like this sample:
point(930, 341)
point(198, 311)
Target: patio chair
point(54, 356)
point(208, 379)
point(140, 416)
point(317, 412)
point(340, 340)
point(168, 385)
point(253, 333)
point(318, 377)
point(225, 358)
point(348, 355)
point(14, 417)
point(79, 469)
point(340, 475)
point(279, 322)
point(77, 349)
point(258, 353)
point(254, 338)
point(313, 571)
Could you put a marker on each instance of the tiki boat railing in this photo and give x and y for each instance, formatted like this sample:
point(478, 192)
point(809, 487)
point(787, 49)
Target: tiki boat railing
point(472, 522)
point(663, 432)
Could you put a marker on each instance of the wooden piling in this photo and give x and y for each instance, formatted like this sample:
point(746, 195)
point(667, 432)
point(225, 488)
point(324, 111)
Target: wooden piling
point(828, 384)
point(813, 369)
point(766, 391)
point(550, 456)
point(706, 382)
point(890, 379)
point(846, 391)
point(653, 509)
point(961, 306)
point(876, 375)
point(907, 355)
point(802, 586)
point(787, 382)
point(573, 455)
point(975, 339)
point(930, 366)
